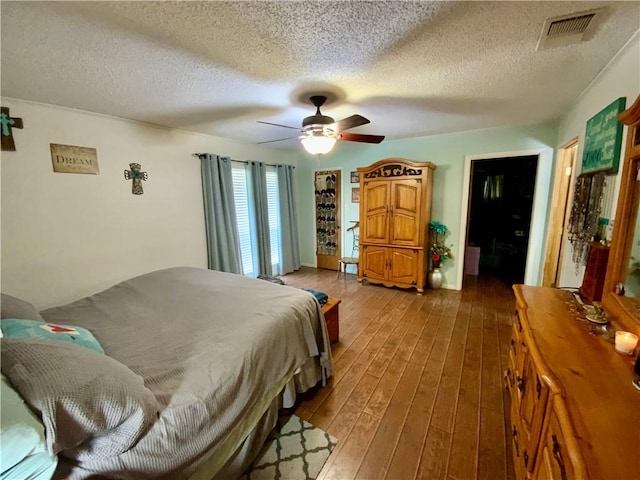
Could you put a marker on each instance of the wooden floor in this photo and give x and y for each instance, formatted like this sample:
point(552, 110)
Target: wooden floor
point(417, 387)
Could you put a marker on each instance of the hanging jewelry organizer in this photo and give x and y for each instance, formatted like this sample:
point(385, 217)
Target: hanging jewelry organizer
point(585, 215)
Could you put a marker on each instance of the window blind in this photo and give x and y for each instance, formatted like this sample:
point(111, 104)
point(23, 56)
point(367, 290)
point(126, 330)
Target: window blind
point(273, 208)
point(241, 198)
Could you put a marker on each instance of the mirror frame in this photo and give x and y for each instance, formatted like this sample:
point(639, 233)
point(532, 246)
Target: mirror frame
point(625, 309)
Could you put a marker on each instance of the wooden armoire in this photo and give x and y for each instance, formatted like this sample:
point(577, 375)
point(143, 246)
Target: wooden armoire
point(395, 209)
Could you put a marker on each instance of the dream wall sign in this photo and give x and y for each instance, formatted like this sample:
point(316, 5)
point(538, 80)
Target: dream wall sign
point(72, 159)
point(603, 140)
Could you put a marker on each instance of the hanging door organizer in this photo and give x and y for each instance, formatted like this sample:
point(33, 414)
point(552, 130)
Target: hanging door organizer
point(326, 232)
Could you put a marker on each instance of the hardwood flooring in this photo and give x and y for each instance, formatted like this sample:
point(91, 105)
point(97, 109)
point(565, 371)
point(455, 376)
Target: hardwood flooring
point(417, 388)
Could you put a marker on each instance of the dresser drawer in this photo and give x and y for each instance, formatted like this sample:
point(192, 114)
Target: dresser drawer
point(559, 457)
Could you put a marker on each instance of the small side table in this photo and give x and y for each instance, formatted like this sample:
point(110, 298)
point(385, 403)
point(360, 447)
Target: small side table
point(332, 318)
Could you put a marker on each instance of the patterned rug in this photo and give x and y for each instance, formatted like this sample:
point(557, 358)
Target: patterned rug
point(295, 450)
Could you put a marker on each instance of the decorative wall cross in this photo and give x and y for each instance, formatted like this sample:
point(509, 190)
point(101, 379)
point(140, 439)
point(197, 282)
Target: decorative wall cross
point(7, 124)
point(137, 176)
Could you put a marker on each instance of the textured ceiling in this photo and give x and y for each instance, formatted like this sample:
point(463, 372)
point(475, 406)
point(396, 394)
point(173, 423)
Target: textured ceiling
point(412, 68)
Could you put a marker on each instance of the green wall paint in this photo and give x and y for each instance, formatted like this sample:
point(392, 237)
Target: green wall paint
point(448, 153)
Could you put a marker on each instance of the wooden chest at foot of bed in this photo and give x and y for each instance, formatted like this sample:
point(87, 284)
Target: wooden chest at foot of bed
point(332, 317)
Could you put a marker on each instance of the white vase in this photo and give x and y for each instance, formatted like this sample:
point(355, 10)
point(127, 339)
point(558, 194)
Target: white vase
point(434, 278)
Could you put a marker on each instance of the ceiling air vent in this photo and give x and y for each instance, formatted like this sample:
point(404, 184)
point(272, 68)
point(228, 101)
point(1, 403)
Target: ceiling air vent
point(568, 29)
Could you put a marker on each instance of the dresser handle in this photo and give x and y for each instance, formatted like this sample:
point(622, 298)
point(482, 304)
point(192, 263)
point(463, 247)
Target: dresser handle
point(514, 433)
point(525, 455)
point(520, 381)
point(558, 456)
point(538, 387)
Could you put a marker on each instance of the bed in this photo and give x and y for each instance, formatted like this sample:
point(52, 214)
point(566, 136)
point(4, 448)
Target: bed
point(219, 354)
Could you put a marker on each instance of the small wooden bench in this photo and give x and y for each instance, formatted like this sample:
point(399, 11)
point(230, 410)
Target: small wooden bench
point(332, 318)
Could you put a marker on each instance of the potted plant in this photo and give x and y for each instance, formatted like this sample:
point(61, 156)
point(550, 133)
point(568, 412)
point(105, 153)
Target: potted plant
point(439, 252)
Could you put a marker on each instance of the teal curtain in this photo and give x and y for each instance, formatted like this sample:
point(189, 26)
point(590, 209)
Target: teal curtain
point(290, 246)
point(223, 245)
point(260, 216)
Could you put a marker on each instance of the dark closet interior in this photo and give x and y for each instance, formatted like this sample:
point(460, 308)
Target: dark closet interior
point(500, 214)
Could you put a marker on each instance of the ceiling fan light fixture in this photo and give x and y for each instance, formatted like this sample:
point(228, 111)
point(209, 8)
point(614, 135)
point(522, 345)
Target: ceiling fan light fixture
point(320, 132)
point(317, 143)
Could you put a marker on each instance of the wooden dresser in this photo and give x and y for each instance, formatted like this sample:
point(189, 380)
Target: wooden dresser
point(395, 209)
point(574, 412)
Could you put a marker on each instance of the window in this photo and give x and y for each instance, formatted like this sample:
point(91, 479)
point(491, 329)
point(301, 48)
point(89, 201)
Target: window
point(246, 225)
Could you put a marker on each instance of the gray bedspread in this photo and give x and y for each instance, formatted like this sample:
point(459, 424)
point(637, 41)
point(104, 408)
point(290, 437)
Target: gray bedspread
point(211, 347)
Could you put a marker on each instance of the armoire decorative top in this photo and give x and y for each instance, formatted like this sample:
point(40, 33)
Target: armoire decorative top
point(396, 167)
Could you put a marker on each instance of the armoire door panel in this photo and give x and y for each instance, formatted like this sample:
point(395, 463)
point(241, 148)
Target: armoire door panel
point(375, 200)
point(404, 266)
point(376, 226)
point(404, 230)
point(374, 262)
point(376, 195)
point(406, 196)
point(405, 212)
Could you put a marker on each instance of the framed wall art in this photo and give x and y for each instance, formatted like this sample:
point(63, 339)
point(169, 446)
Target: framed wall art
point(603, 140)
point(355, 195)
point(354, 177)
point(73, 159)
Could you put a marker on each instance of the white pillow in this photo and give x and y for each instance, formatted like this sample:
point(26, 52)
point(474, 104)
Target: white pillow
point(21, 437)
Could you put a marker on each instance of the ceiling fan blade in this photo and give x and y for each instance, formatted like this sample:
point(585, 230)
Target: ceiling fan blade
point(278, 140)
point(358, 137)
point(349, 122)
point(278, 125)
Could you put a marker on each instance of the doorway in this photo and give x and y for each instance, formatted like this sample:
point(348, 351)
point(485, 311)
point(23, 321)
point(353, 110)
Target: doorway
point(328, 210)
point(501, 196)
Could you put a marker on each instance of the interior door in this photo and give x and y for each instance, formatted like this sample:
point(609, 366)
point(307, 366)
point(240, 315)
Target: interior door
point(556, 238)
point(327, 187)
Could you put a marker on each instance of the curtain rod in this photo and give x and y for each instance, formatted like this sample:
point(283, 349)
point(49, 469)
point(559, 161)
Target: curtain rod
point(247, 162)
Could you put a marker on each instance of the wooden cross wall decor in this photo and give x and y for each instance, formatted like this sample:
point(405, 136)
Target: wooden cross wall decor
point(7, 124)
point(137, 176)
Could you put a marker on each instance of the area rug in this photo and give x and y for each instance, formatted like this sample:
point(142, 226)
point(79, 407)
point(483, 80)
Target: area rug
point(295, 450)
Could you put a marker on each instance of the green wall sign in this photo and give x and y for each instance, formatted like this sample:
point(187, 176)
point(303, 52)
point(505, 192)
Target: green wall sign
point(603, 140)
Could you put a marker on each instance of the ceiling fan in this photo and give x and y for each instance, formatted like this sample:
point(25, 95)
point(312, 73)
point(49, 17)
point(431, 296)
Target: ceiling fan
point(320, 132)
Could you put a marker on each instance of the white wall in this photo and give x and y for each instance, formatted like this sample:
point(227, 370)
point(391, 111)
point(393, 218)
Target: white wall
point(65, 236)
point(621, 78)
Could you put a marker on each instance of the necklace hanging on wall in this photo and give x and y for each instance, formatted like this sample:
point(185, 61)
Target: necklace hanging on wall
point(585, 214)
